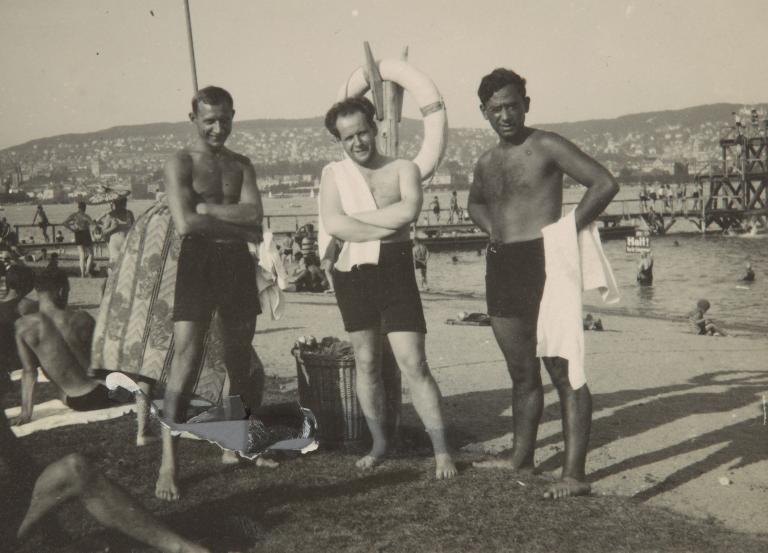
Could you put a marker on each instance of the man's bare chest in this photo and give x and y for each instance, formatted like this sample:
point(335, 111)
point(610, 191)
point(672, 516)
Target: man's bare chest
point(521, 174)
point(218, 182)
point(385, 187)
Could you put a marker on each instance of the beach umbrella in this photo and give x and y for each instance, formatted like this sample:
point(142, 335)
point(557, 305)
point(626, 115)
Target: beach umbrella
point(107, 195)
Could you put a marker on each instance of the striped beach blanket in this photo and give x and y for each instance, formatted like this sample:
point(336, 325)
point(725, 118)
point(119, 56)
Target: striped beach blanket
point(134, 330)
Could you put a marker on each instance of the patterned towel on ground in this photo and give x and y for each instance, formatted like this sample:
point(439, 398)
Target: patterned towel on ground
point(134, 330)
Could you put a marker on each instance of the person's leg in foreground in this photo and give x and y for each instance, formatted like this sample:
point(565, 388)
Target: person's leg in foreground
point(73, 477)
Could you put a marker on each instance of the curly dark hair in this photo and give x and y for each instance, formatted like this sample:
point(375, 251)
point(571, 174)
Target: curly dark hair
point(20, 278)
point(50, 280)
point(498, 79)
point(348, 107)
point(213, 96)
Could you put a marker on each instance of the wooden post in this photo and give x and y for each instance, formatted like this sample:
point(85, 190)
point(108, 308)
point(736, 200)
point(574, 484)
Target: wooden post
point(191, 46)
point(388, 100)
point(393, 106)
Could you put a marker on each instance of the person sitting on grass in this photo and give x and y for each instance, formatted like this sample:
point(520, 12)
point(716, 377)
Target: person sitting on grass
point(58, 341)
point(701, 325)
point(19, 281)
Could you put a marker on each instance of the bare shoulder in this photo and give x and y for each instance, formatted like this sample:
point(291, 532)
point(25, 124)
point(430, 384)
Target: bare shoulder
point(406, 166)
point(240, 159)
point(179, 160)
point(485, 158)
point(549, 141)
point(28, 325)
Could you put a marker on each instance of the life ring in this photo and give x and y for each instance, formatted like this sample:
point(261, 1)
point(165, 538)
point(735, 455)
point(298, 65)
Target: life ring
point(428, 99)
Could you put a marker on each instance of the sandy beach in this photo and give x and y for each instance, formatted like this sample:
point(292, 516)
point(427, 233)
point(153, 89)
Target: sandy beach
point(679, 420)
point(678, 455)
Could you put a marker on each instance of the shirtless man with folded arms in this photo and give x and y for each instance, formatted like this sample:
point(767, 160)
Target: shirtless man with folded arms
point(381, 297)
point(216, 208)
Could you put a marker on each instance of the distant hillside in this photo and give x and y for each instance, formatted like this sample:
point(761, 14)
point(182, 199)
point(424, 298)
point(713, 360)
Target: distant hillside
point(284, 146)
point(409, 127)
point(645, 123)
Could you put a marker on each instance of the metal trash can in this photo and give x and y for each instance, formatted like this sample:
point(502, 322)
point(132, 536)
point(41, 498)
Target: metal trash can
point(327, 386)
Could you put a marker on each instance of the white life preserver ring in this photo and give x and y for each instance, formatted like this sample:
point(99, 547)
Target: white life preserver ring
point(428, 99)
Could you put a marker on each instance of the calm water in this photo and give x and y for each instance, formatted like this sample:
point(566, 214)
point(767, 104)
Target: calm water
point(700, 267)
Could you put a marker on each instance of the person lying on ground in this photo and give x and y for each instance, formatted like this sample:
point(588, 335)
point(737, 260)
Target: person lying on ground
point(73, 477)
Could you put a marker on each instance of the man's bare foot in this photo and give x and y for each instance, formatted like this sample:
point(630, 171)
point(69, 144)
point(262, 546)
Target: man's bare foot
point(266, 463)
point(146, 439)
point(567, 487)
point(166, 488)
point(369, 461)
point(504, 463)
point(444, 466)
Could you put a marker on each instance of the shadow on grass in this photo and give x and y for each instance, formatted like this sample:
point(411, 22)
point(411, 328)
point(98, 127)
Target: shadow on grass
point(477, 417)
point(253, 513)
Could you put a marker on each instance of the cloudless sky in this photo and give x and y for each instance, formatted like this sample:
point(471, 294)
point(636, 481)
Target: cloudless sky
point(84, 65)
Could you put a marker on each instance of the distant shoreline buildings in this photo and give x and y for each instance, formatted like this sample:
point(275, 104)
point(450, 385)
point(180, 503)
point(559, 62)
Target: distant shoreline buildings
point(289, 155)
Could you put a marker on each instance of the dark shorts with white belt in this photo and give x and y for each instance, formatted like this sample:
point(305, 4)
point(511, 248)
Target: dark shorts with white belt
point(514, 278)
point(383, 295)
point(215, 275)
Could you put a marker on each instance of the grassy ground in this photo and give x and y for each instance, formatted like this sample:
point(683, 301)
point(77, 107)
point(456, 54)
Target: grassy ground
point(320, 502)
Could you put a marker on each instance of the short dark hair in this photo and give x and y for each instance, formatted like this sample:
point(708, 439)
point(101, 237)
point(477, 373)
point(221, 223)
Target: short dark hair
point(348, 107)
point(50, 280)
point(213, 96)
point(498, 79)
point(81, 205)
point(20, 278)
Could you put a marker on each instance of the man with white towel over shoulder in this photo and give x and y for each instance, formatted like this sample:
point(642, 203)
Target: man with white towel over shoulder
point(537, 266)
point(369, 201)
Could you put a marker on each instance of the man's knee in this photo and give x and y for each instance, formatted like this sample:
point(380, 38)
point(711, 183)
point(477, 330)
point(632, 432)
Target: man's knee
point(366, 361)
point(413, 365)
point(526, 375)
point(76, 470)
point(558, 372)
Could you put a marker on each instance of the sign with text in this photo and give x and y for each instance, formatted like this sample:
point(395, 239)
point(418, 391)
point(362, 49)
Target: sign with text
point(639, 243)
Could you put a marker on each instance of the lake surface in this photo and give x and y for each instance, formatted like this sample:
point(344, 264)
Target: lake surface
point(701, 266)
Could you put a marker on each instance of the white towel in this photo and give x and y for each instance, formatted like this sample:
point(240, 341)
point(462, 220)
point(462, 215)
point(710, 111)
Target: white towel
point(573, 264)
point(271, 278)
point(356, 197)
point(54, 414)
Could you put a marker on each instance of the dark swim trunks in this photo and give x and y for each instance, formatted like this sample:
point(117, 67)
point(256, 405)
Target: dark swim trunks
point(420, 265)
point(83, 238)
point(98, 398)
point(514, 278)
point(385, 294)
point(214, 275)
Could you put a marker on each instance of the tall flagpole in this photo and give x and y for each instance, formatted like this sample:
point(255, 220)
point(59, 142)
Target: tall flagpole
point(191, 46)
